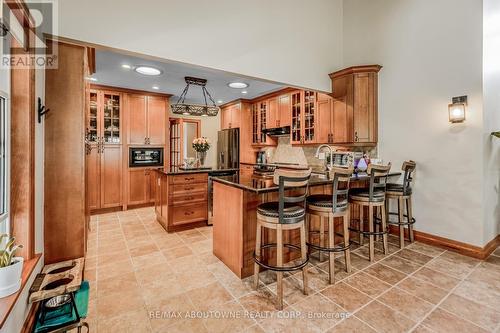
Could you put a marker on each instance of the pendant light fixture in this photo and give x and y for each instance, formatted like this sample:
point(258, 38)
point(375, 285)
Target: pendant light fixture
point(195, 109)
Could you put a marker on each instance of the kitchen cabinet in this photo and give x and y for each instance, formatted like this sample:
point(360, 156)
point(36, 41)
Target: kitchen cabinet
point(142, 186)
point(147, 116)
point(325, 119)
point(272, 113)
point(104, 177)
point(182, 201)
point(104, 117)
point(231, 116)
point(263, 119)
point(304, 114)
point(284, 110)
point(356, 103)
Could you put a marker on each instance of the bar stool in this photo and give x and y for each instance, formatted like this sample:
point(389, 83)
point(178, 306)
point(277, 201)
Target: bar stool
point(328, 207)
point(402, 193)
point(286, 214)
point(372, 197)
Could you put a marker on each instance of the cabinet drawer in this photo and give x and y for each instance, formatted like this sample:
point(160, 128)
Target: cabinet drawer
point(185, 189)
point(189, 213)
point(190, 198)
point(190, 178)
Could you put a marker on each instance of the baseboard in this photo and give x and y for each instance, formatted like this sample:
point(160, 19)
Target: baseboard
point(453, 245)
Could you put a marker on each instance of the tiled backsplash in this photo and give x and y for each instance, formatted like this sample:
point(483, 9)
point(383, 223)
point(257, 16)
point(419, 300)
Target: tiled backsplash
point(286, 153)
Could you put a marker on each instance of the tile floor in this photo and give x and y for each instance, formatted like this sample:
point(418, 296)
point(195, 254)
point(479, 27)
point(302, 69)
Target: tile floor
point(145, 280)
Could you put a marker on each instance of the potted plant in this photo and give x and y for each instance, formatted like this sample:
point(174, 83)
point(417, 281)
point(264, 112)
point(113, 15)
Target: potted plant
point(11, 267)
point(497, 134)
point(201, 146)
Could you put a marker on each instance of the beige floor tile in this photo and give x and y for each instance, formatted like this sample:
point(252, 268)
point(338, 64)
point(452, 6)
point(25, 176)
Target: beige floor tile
point(414, 256)
point(391, 247)
point(277, 324)
point(114, 269)
point(165, 242)
point(259, 301)
point(429, 250)
point(458, 258)
point(185, 326)
point(442, 321)
point(438, 279)
point(224, 318)
point(479, 314)
point(479, 293)
point(152, 259)
point(493, 259)
point(177, 252)
point(111, 247)
point(367, 284)
point(237, 287)
point(457, 269)
point(254, 329)
point(200, 247)
point(320, 311)
point(385, 273)
point(143, 250)
point(113, 305)
point(409, 305)
point(364, 252)
point(129, 322)
point(422, 289)
point(153, 273)
point(117, 285)
point(317, 279)
point(346, 296)
point(340, 271)
point(212, 294)
point(112, 257)
point(167, 311)
point(359, 262)
point(208, 258)
point(487, 274)
point(350, 325)
point(161, 288)
point(422, 329)
point(401, 264)
point(384, 319)
point(195, 278)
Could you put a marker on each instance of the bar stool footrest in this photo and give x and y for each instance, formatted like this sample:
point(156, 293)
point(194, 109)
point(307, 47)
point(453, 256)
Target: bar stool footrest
point(341, 248)
point(378, 220)
point(368, 233)
point(283, 268)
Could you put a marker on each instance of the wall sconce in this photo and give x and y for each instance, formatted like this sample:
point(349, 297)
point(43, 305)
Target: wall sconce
point(456, 110)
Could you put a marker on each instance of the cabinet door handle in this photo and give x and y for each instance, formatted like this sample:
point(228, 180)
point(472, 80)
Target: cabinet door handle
point(145, 140)
point(188, 188)
point(356, 136)
point(188, 213)
point(187, 179)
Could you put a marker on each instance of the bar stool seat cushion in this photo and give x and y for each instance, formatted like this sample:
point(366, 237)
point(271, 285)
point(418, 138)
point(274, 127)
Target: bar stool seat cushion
point(325, 201)
point(291, 213)
point(397, 189)
point(364, 195)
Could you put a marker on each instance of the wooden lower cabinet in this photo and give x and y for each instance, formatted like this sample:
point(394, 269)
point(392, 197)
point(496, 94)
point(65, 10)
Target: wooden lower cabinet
point(142, 186)
point(93, 178)
point(182, 202)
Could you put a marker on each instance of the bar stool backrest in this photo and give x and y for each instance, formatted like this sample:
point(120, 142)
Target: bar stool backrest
point(408, 167)
point(341, 178)
point(291, 180)
point(378, 178)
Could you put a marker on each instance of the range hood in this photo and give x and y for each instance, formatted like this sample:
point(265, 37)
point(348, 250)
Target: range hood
point(278, 131)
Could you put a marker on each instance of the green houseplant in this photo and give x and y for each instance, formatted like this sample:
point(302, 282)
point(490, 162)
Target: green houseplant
point(497, 134)
point(11, 267)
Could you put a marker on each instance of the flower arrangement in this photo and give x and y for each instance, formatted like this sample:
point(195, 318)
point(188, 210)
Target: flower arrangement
point(201, 145)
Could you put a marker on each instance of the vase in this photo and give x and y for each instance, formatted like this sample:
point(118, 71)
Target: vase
point(201, 156)
point(10, 277)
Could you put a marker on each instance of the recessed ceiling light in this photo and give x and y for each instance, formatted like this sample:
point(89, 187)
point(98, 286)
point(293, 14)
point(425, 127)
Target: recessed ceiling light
point(147, 70)
point(126, 66)
point(244, 92)
point(238, 85)
point(156, 87)
point(93, 79)
point(220, 101)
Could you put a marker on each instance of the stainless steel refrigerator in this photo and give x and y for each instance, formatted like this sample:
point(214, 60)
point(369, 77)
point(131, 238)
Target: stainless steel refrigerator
point(228, 148)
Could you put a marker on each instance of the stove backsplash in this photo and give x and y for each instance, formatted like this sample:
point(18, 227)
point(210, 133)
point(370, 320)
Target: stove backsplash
point(286, 153)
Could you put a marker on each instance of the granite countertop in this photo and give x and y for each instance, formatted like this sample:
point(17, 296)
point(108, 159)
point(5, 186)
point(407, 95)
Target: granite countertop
point(249, 182)
point(182, 171)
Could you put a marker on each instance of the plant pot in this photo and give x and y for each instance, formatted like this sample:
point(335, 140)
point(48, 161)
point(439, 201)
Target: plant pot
point(10, 277)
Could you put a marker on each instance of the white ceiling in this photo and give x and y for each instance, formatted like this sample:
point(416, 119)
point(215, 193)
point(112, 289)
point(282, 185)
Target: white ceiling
point(109, 71)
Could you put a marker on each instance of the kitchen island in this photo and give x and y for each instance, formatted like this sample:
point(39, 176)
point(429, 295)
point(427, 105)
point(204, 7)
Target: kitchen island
point(235, 217)
point(181, 200)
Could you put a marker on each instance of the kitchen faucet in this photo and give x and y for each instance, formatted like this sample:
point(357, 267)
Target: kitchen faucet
point(331, 153)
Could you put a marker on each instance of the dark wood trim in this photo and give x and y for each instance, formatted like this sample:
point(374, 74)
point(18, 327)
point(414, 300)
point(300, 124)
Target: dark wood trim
point(356, 69)
point(453, 245)
point(7, 303)
point(23, 16)
point(129, 91)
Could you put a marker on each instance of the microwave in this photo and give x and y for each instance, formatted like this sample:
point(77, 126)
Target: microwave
point(145, 157)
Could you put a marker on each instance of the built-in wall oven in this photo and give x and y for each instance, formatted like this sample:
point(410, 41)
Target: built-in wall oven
point(145, 157)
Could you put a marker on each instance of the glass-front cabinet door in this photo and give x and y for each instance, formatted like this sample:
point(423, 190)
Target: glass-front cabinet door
point(296, 127)
point(111, 117)
point(255, 124)
point(263, 120)
point(309, 117)
point(93, 114)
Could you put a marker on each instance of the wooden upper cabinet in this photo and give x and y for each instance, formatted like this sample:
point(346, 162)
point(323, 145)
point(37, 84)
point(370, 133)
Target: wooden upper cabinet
point(341, 131)
point(356, 103)
point(104, 117)
point(235, 116)
point(272, 113)
point(225, 117)
point(230, 116)
point(324, 125)
point(111, 176)
point(284, 110)
point(157, 120)
point(137, 120)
